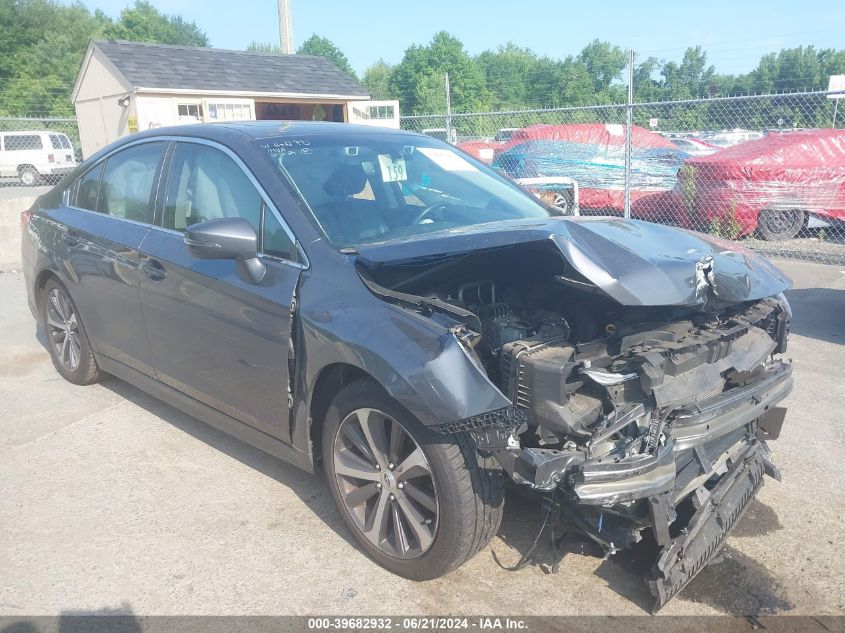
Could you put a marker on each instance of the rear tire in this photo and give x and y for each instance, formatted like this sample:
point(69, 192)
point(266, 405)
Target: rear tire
point(67, 341)
point(782, 224)
point(28, 176)
point(464, 500)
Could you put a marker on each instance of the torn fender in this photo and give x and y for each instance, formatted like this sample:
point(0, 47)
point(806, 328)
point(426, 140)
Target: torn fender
point(424, 361)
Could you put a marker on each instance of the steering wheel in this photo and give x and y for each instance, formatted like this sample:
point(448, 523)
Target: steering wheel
point(430, 209)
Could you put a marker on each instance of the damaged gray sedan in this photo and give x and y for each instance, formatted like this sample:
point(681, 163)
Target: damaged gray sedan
point(379, 306)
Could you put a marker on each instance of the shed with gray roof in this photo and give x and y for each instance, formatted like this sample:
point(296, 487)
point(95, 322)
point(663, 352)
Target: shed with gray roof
point(123, 87)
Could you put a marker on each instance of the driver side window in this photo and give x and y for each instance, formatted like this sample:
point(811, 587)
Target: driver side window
point(206, 184)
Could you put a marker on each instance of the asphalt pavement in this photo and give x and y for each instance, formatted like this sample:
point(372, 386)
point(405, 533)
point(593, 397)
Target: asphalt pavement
point(111, 501)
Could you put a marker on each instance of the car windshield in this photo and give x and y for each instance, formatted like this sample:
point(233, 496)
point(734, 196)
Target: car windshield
point(387, 186)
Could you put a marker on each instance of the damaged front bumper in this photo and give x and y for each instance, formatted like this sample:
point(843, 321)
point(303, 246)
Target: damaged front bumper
point(688, 491)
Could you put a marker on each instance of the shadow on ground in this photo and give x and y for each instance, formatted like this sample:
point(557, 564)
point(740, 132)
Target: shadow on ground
point(106, 620)
point(731, 583)
point(310, 489)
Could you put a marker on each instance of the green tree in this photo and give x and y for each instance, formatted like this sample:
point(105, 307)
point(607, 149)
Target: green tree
point(420, 76)
point(377, 79)
point(507, 72)
point(603, 62)
point(42, 43)
point(694, 72)
point(42, 55)
point(263, 47)
point(322, 47)
point(144, 23)
point(646, 87)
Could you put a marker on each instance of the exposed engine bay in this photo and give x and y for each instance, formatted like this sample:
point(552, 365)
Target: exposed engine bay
point(629, 421)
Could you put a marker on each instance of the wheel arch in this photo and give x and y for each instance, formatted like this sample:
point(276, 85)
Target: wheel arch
point(40, 283)
point(330, 380)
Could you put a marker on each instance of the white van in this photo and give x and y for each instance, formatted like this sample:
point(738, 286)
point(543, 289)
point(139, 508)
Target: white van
point(34, 156)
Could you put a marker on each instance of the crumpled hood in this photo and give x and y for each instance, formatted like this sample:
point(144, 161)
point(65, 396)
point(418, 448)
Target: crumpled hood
point(633, 262)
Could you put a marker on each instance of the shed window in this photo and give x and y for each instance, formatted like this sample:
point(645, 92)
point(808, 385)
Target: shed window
point(381, 112)
point(189, 112)
point(229, 112)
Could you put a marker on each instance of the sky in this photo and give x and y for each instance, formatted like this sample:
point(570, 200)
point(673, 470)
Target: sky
point(735, 33)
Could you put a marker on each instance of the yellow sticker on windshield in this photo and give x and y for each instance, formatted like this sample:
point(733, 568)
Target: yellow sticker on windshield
point(392, 170)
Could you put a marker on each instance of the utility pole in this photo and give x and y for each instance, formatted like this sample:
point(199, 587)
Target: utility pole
point(629, 121)
point(448, 110)
point(285, 28)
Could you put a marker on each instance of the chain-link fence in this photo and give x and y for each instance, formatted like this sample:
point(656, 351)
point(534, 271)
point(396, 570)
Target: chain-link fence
point(767, 171)
point(37, 151)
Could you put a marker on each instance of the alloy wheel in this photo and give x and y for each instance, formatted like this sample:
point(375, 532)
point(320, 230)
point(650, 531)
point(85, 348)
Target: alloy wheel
point(386, 483)
point(63, 329)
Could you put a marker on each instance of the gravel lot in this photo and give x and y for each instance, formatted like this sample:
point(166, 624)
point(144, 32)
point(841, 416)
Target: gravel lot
point(110, 500)
point(10, 190)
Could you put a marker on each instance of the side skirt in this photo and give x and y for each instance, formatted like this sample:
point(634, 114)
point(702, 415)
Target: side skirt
point(209, 415)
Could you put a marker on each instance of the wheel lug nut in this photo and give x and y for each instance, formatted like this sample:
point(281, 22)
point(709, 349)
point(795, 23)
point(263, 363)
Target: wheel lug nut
point(378, 485)
point(390, 466)
point(400, 485)
point(378, 467)
point(392, 498)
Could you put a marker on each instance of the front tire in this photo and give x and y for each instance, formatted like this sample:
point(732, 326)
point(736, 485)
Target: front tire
point(67, 341)
point(418, 502)
point(782, 224)
point(28, 176)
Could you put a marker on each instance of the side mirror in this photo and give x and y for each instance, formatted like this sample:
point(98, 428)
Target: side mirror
point(227, 238)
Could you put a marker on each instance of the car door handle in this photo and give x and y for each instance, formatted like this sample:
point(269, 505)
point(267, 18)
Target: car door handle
point(154, 269)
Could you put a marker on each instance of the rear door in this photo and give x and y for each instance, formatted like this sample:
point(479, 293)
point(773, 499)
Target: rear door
point(216, 336)
point(61, 152)
point(106, 214)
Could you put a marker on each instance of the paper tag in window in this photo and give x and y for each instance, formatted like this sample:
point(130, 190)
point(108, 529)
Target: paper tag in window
point(392, 170)
point(446, 159)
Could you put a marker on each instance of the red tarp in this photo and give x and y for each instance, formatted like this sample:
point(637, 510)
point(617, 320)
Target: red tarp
point(482, 150)
point(611, 134)
point(802, 170)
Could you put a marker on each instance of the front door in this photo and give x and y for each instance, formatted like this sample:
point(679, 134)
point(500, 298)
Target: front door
point(216, 336)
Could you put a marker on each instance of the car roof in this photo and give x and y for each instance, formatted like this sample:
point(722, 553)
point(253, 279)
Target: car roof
point(266, 129)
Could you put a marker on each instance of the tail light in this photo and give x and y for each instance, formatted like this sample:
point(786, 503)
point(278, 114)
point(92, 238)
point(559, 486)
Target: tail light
point(51, 158)
point(26, 216)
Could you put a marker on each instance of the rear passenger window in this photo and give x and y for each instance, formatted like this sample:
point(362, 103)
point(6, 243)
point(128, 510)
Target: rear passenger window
point(55, 141)
point(127, 184)
point(206, 184)
point(87, 188)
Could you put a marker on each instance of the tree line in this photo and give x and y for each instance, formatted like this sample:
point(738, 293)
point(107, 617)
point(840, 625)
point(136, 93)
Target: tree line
point(42, 43)
point(515, 78)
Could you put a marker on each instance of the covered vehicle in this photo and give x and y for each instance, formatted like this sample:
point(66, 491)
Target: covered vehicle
point(379, 306)
point(694, 146)
point(776, 185)
point(593, 154)
point(482, 150)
